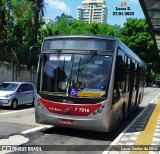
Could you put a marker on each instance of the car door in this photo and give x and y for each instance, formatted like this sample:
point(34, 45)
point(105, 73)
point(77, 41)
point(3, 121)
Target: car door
point(30, 93)
point(21, 94)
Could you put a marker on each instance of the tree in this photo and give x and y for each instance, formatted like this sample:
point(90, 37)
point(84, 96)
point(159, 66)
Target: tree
point(2, 26)
point(38, 14)
point(75, 27)
point(17, 29)
point(65, 17)
point(139, 39)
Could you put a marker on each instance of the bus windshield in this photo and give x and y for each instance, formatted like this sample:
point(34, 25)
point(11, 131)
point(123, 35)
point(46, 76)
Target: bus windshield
point(75, 75)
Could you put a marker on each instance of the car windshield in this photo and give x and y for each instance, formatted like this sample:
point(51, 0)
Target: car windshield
point(8, 86)
point(75, 75)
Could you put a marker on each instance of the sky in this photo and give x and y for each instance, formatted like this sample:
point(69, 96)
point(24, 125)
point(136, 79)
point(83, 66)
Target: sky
point(54, 8)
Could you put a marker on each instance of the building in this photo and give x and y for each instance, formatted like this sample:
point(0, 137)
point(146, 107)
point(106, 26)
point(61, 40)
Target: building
point(47, 20)
point(92, 11)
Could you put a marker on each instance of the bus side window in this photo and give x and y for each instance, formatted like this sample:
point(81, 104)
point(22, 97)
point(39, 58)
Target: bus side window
point(128, 73)
point(121, 69)
point(119, 78)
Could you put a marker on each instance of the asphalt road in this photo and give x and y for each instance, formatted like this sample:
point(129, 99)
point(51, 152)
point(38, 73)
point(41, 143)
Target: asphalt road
point(59, 140)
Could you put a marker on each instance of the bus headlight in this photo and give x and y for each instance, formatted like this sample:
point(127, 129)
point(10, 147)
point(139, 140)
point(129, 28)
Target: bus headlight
point(94, 112)
point(40, 104)
point(99, 110)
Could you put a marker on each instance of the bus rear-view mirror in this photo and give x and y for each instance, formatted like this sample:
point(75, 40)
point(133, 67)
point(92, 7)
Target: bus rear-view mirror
point(32, 55)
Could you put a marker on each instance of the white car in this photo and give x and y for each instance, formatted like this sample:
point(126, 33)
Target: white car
point(17, 93)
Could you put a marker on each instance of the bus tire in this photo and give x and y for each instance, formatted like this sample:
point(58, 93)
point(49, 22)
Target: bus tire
point(14, 104)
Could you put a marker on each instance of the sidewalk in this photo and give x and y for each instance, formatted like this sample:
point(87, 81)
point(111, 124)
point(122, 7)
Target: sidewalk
point(143, 135)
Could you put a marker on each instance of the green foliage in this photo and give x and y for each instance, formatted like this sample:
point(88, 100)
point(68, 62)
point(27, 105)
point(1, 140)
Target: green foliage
point(18, 27)
point(138, 38)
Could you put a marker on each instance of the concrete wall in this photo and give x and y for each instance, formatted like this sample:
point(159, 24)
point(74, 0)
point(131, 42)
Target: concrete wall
point(10, 72)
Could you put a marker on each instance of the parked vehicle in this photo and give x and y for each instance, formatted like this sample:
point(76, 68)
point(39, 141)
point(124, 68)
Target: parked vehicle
point(17, 93)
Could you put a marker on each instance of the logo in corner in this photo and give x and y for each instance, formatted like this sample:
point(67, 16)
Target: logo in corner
point(123, 4)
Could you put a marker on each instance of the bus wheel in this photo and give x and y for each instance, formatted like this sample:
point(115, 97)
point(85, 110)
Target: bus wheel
point(14, 104)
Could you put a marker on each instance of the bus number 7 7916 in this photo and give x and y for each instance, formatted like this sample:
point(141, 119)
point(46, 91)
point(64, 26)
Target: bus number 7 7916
point(81, 109)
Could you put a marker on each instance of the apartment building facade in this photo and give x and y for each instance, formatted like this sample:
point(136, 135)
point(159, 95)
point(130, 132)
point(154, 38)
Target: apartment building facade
point(92, 11)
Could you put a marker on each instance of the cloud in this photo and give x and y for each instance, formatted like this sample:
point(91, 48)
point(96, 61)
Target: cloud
point(58, 4)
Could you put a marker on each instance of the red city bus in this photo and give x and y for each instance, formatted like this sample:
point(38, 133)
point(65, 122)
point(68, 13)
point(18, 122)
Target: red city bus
point(87, 82)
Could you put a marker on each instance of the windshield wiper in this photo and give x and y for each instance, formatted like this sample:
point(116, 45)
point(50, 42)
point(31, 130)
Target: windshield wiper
point(87, 61)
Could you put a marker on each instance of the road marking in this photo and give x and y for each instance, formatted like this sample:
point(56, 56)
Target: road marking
point(146, 136)
point(125, 130)
point(8, 145)
point(15, 111)
point(14, 140)
point(29, 130)
point(35, 129)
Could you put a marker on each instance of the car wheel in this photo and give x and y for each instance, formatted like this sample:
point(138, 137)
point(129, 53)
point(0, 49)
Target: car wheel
point(14, 104)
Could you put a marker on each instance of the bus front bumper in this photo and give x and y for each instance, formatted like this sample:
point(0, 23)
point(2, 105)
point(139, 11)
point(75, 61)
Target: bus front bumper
point(90, 122)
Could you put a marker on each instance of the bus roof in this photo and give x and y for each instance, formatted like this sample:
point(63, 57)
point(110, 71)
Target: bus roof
point(81, 36)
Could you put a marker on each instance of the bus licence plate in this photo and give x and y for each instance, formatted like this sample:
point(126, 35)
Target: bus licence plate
point(67, 122)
